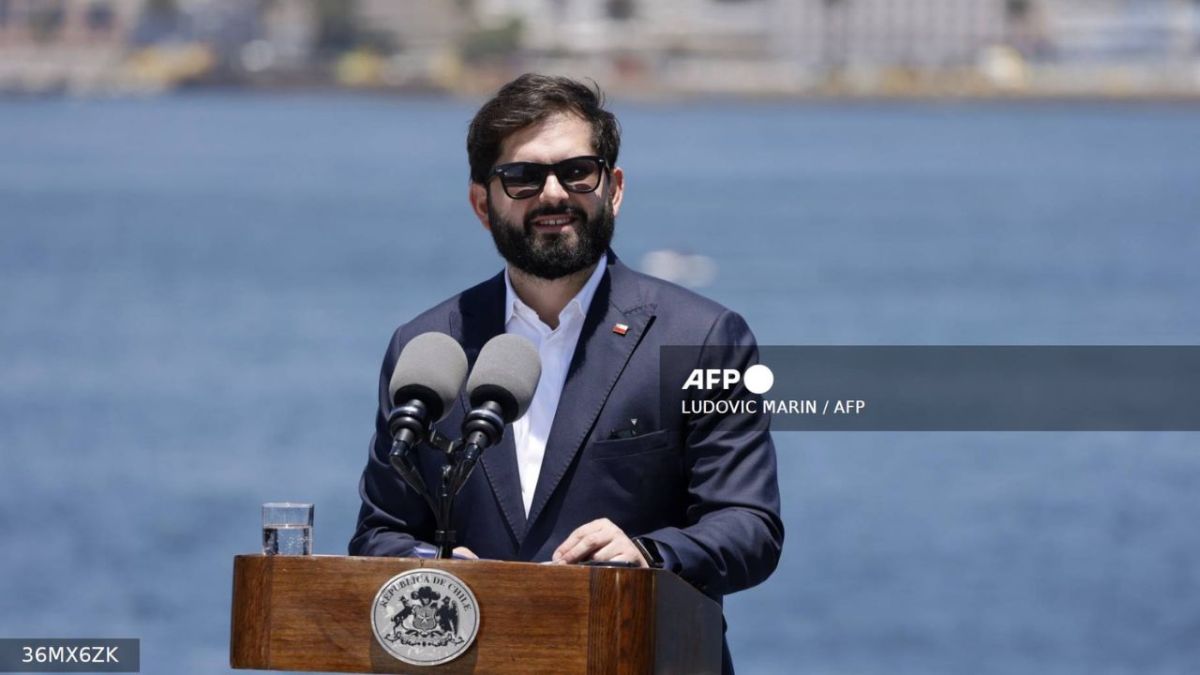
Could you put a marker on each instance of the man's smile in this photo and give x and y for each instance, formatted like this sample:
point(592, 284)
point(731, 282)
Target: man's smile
point(554, 223)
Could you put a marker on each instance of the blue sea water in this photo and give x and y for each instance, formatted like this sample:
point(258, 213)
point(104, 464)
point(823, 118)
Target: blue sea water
point(195, 293)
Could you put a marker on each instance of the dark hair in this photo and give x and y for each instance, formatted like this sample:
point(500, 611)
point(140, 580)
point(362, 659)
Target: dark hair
point(532, 98)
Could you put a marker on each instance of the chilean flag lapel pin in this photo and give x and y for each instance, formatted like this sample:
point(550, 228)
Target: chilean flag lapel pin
point(620, 329)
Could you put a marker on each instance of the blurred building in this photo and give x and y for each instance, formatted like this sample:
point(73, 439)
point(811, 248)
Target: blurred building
point(53, 45)
point(728, 27)
point(287, 40)
point(1120, 47)
point(26, 23)
point(418, 26)
point(423, 38)
point(917, 33)
point(1123, 29)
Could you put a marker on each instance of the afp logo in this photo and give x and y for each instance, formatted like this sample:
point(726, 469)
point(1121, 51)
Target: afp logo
point(758, 378)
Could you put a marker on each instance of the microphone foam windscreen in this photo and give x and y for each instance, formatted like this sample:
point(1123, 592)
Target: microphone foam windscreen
point(506, 372)
point(431, 368)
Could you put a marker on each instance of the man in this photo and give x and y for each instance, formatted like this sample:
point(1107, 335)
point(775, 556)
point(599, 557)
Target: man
point(596, 469)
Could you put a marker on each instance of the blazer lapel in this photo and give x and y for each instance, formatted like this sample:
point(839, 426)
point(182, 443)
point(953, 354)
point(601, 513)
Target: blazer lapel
point(600, 357)
point(482, 311)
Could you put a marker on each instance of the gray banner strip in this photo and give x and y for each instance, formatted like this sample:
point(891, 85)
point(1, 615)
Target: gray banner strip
point(1044, 388)
point(70, 655)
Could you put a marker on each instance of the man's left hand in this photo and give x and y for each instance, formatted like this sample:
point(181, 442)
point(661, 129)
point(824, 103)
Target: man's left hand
point(599, 540)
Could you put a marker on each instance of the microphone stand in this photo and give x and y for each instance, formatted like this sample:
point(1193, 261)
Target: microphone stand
point(443, 536)
point(462, 456)
point(483, 428)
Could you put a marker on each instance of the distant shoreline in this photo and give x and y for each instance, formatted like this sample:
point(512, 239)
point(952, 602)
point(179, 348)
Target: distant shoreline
point(636, 95)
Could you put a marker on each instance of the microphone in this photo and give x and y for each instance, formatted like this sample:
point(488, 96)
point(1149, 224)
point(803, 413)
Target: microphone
point(500, 390)
point(424, 385)
point(501, 387)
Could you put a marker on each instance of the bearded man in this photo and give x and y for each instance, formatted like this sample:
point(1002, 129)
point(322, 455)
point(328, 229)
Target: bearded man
point(596, 469)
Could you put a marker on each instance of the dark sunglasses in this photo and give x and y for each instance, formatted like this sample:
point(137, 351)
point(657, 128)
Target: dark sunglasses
point(522, 180)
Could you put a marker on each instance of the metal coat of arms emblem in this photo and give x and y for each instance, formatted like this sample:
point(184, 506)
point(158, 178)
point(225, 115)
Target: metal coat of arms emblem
point(425, 617)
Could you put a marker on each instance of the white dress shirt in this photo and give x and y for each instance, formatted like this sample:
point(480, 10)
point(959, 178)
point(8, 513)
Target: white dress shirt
point(555, 347)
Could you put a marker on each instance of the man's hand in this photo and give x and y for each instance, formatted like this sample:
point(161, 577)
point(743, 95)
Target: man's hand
point(598, 540)
point(465, 552)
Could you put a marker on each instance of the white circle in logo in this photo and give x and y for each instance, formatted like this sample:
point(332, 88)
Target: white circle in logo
point(425, 617)
point(759, 379)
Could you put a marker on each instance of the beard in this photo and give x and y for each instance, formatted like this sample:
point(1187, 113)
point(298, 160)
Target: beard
point(553, 255)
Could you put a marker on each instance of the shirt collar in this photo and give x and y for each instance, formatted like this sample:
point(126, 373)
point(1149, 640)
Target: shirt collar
point(578, 304)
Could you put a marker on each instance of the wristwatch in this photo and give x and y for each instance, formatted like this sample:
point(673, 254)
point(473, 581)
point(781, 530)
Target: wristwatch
point(649, 551)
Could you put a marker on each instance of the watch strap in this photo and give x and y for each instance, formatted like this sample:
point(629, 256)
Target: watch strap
point(649, 550)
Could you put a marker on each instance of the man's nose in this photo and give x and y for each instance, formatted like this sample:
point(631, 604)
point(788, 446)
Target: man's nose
point(553, 191)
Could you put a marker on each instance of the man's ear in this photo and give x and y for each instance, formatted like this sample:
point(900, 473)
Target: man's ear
point(618, 189)
point(477, 196)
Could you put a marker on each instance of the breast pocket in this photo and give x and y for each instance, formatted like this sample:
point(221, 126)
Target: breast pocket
point(616, 448)
point(641, 479)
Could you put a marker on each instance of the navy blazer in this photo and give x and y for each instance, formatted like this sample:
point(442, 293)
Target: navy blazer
point(709, 499)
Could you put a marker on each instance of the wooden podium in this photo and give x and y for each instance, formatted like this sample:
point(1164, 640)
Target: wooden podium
point(314, 613)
